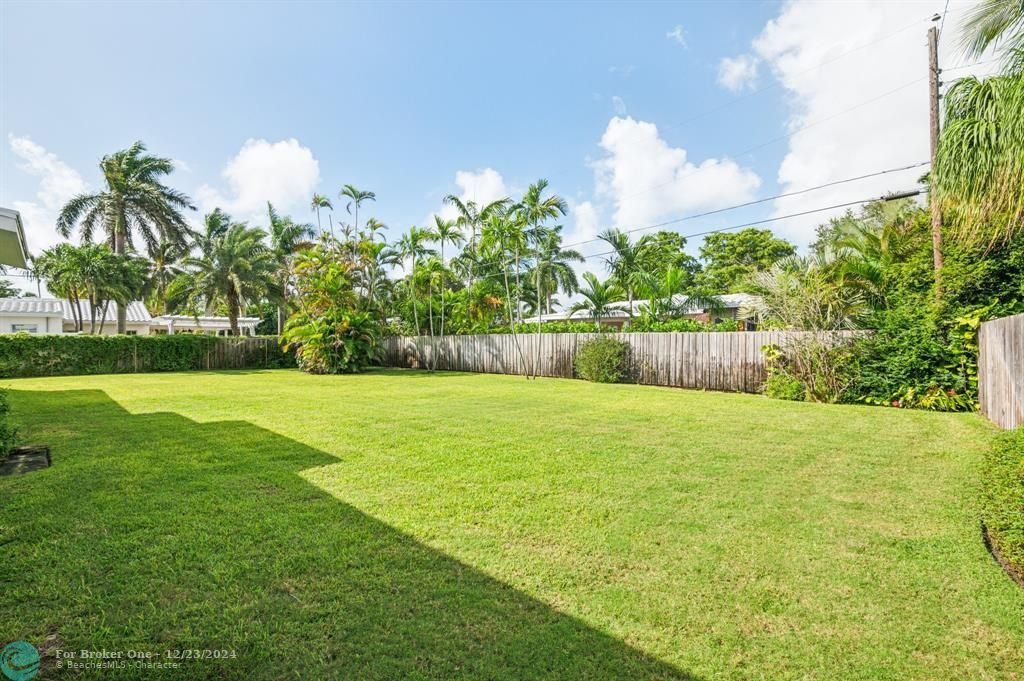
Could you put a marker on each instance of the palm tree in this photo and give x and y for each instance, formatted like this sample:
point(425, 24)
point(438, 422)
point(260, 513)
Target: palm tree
point(979, 168)
point(356, 198)
point(58, 267)
point(472, 218)
point(670, 293)
point(321, 201)
point(373, 225)
point(164, 267)
point(445, 231)
point(237, 268)
point(552, 263)
point(286, 238)
point(502, 235)
point(625, 262)
point(134, 200)
point(413, 246)
point(598, 297)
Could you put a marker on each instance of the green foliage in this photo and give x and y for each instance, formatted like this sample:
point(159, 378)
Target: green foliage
point(1002, 496)
point(645, 324)
point(7, 431)
point(24, 355)
point(813, 367)
point(730, 257)
point(602, 360)
point(781, 385)
point(329, 335)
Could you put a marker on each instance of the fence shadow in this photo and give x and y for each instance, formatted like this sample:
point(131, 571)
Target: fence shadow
point(155, 532)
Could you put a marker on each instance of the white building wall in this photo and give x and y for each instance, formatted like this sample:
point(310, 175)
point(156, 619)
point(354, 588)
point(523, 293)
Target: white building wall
point(44, 324)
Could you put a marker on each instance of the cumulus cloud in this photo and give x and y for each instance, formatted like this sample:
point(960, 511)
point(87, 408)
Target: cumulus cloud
point(58, 183)
point(647, 180)
point(677, 34)
point(618, 105)
point(481, 186)
point(805, 50)
point(738, 73)
point(284, 173)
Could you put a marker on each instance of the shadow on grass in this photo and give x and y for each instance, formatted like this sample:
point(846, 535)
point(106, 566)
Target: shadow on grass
point(155, 532)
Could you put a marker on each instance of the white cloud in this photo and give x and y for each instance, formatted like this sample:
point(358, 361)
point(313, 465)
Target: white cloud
point(618, 105)
point(625, 71)
point(284, 173)
point(648, 180)
point(481, 186)
point(805, 49)
point(181, 166)
point(58, 183)
point(678, 34)
point(738, 73)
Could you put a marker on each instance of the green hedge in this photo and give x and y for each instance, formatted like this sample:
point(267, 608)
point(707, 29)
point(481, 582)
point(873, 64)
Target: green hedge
point(7, 432)
point(1002, 502)
point(602, 360)
point(24, 355)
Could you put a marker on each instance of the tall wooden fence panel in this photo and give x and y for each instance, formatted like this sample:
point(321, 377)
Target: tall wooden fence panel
point(1001, 371)
point(730, 361)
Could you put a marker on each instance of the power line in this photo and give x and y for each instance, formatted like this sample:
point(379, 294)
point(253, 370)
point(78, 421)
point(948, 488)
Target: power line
point(757, 201)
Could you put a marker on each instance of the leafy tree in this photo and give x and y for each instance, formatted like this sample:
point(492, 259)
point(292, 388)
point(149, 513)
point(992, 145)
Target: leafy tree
point(287, 238)
point(664, 250)
point(413, 247)
point(356, 198)
point(731, 257)
point(134, 200)
point(445, 231)
point(625, 262)
point(8, 290)
point(553, 269)
point(165, 264)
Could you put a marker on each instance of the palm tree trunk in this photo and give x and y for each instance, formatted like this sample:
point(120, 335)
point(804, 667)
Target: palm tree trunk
point(536, 362)
point(512, 321)
point(412, 290)
point(442, 290)
point(103, 318)
point(122, 311)
point(233, 307)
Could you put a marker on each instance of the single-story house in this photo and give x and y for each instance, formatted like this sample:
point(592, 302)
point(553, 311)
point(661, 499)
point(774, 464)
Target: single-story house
point(740, 307)
point(13, 250)
point(50, 315)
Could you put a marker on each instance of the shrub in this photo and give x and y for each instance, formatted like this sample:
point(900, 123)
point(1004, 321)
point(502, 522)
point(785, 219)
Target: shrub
point(602, 360)
point(25, 355)
point(334, 342)
point(1002, 501)
point(781, 385)
point(7, 431)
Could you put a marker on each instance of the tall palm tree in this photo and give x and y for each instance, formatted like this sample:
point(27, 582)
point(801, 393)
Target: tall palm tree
point(373, 225)
point(238, 268)
point(287, 237)
point(321, 201)
point(356, 198)
point(502, 236)
point(59, 268)
point(445, 231)
point(598, 297)
point(471, 218)
point(625, 262)
point(670, 293)
point(134, 199)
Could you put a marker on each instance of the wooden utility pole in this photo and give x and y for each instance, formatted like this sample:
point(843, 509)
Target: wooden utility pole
point(933, 110)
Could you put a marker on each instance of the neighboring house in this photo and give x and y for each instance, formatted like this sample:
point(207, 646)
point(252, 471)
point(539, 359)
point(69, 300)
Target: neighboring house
point(42, 315)
point(13, 251)
point(735, 307)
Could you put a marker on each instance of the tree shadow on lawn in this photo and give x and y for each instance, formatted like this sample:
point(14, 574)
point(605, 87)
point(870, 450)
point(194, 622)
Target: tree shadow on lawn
point(156, 532)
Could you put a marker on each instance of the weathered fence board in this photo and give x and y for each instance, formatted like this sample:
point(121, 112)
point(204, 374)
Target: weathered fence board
point(729, 361)
point(1001, 371)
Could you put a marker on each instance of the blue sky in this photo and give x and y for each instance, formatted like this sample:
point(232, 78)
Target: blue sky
point(609, 101)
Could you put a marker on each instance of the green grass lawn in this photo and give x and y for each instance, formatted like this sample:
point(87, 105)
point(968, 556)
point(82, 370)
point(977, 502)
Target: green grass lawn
point(406, 525)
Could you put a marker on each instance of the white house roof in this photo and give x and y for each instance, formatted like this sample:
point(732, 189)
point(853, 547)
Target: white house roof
point(189, 321)
point(136, 313)
point(620, 310)
point(40, 307)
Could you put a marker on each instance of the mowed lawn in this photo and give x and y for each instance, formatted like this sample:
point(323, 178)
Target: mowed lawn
point(407, 525)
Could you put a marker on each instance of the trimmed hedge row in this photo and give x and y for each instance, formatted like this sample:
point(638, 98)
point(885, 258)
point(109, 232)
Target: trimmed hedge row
point(1002, 502)
point(25, 355)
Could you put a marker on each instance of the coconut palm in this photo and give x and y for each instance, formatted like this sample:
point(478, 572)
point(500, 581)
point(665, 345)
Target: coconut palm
point(356, 198)
point(287, 237)
point(321, 201)
point(238, 268)
point(598, 297)
point(134, 200)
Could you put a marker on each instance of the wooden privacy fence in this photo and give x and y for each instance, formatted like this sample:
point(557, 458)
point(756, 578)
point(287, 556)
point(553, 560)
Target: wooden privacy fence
point(1001, 370)
point(730, 361)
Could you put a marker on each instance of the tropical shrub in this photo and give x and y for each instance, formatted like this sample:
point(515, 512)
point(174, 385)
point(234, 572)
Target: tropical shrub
point(1002, 497)
point(602, 360)
point(781, 384)
point(328, 333)
point(7, 431)
point(680, 325)
point(335, 341)
point(817, 367)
